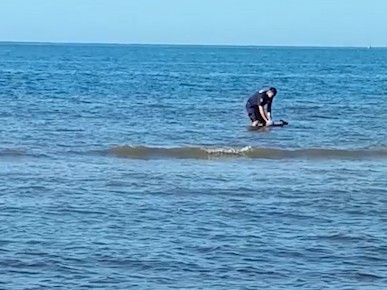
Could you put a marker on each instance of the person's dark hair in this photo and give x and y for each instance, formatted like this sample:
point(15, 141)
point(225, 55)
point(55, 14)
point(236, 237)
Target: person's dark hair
point(274, 90)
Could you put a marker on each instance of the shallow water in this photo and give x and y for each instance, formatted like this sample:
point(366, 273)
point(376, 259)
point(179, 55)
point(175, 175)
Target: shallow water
point(132, 167)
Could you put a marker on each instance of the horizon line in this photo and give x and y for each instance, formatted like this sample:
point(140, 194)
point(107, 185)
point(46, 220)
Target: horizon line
point(2, 42)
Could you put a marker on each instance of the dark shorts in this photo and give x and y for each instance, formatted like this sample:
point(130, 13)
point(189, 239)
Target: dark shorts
point(254, 114)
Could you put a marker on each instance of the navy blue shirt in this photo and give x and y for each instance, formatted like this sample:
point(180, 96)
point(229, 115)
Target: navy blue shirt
point(260, 99)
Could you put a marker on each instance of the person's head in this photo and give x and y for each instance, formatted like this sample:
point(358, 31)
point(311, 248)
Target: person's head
point(271, 92)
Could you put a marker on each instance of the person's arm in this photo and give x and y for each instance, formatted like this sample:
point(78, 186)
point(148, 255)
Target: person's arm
point(263, 114)
point(262, 102)
point(269, 115)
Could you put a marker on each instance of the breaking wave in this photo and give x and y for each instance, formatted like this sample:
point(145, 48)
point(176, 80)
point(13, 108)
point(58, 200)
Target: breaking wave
point(142, 152)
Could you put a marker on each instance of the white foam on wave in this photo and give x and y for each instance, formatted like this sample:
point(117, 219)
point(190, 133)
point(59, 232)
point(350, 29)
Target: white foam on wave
point(228, 150)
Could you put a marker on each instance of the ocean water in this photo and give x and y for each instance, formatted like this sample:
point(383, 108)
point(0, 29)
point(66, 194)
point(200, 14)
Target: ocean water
point(131, 167)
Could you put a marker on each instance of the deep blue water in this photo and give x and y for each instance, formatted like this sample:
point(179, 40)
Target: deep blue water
point(131, 167)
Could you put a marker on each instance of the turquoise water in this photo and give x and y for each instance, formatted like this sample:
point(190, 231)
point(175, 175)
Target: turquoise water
point(132, 167)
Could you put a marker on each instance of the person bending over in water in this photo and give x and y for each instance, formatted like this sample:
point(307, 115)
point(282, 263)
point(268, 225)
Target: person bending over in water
point(258, 107)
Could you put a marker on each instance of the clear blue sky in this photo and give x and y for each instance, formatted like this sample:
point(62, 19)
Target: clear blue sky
point(243, 22)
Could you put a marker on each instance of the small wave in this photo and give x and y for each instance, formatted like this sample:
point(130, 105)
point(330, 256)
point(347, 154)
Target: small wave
point(19, 153)
point(142, 152)
point(12, 153)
